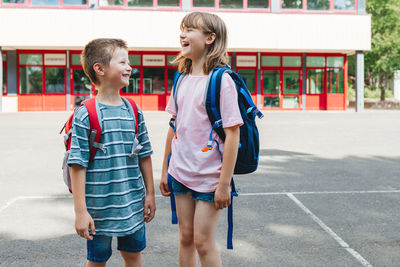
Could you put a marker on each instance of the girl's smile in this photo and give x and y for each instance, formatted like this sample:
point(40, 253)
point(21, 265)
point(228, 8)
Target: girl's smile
point(193, 42)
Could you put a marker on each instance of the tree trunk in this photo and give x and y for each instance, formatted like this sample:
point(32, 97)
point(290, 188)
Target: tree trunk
point(383, 87)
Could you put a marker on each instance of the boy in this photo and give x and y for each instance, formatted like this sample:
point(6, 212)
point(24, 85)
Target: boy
point(109, 196)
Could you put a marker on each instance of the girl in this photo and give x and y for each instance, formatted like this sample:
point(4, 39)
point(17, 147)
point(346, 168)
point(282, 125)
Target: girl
point(200, 180)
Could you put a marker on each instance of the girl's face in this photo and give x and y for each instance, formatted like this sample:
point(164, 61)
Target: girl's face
point(194, 43)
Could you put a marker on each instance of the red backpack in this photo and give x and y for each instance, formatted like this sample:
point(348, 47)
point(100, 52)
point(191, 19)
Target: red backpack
point(94, 136)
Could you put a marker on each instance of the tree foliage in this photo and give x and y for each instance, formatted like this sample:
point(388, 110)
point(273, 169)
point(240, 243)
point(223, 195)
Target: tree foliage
point(384, 58)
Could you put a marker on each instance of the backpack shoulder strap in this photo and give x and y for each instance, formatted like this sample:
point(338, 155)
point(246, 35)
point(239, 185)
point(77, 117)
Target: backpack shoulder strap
point(95, 128)
point(212, 99)
point(177, 82)
point(68, 131)
point(135, 112)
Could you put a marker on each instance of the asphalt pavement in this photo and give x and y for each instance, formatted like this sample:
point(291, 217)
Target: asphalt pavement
point(327, 193)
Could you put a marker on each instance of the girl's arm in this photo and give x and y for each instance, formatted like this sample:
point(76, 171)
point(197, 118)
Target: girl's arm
point(83, 220)
point(222, 197)
point(164, 172)
point(146, 169)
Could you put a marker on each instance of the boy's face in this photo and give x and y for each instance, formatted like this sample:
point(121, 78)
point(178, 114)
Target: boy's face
point(118, 72)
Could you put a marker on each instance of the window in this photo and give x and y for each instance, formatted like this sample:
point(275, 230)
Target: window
point(335, 62)
point(45, 2)
point(140, 3)
point(318, 4)
point(271, 61)
point(172, 3)
point(335, 81)
point(55, 80)
point(75, 2)
point(271, 102)
point(291, 102)
point(30, 80)
point(292, 4)
point(134, 82)
point(249, 77)
point(271, 82)
point(4, 64)
point(135, 60)
point(171, 70)
point(291, 61)
point(257, 3)
point(231, 4)
point(14, 1)
point(153, 81)
point(82, 85)
point(76, 59)
point(315, 81)
point(315, 61)
point(203, 3)
point(31, 59)
point(105, 3)
point(42, 73)
point(291, 82)
point(325, 74)
point(344, 4)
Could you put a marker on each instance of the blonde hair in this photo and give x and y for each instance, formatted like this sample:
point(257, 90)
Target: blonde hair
point(217, 55)
point(99, 51)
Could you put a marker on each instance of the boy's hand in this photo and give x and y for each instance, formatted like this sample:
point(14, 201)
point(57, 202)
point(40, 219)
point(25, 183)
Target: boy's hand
point(222, 197)
point(149, 208)
point(83, 221)
point(164, 185)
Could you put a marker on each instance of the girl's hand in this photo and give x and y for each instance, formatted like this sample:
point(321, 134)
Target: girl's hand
point(149, 208)
point(164, 185)
point(222, 197)
point(83, 221)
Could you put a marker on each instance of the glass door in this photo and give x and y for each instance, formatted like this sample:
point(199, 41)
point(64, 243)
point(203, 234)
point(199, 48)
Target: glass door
point(291, 89)
point(281, 88)
point(82, 88)
point(271, 85)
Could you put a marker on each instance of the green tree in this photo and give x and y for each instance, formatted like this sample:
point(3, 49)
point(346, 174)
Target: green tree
point(384, 58)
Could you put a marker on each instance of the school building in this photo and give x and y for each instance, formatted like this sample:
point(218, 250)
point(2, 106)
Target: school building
point(291, 53)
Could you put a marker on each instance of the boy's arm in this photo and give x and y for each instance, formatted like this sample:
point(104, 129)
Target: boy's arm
point(150, 201)
point(222, 197)
point(165, 190)
point(83, 220)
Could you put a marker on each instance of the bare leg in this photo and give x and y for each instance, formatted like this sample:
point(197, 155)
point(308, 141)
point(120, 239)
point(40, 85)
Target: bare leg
point(205, 225)
point(185, 207)
point(132, 259)
point(93, 264)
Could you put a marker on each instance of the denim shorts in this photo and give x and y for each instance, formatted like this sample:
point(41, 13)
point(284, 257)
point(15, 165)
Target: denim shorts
point(99, 249)
point(179, 188)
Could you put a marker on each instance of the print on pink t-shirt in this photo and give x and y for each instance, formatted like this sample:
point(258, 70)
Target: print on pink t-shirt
point(195, 169)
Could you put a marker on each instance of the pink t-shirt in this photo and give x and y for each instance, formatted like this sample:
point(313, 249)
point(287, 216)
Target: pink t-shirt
point(195, 169)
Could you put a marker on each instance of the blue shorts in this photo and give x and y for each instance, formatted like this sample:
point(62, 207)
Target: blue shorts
point(179, 188)
point(99, 249)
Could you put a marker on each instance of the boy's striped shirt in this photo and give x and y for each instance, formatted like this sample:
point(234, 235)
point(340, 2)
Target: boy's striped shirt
point(114, 186)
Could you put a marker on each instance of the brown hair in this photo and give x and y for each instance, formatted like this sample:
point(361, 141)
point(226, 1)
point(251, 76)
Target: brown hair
point(99, 51)
point(217, 52)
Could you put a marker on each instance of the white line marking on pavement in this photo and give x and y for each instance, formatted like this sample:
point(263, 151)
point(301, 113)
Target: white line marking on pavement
point(10, 202)
point(341, 242)
point(15, 199)
point(321, 192)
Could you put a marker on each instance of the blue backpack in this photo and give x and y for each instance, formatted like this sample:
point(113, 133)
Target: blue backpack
point(248, 152)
